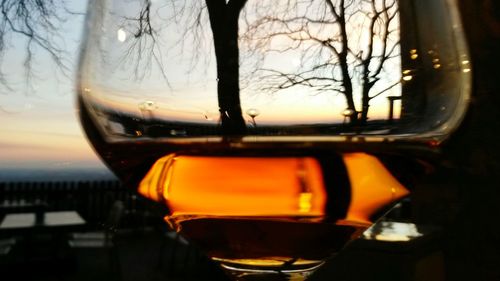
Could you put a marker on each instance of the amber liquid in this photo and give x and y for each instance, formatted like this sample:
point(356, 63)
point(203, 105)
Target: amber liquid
point(316, 208)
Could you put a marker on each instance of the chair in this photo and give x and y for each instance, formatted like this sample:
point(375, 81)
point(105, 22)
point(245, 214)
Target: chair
point(102, 239)
point(6, 246)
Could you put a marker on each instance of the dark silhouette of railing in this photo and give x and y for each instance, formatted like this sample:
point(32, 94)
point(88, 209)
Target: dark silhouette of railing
point(92, 199)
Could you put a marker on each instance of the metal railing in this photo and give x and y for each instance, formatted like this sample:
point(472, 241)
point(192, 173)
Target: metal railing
point(92, 199)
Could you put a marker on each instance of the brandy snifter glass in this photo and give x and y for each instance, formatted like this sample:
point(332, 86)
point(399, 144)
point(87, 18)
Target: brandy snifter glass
point(275, 131)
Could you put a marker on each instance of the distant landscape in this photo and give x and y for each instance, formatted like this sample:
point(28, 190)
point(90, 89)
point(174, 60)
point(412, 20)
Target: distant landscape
point(48, 174)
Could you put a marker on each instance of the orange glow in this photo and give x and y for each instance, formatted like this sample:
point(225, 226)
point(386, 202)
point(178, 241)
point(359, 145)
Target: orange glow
point(372, 186)
point(43, 147)
point(266, 186)
point(151, 186)
point(237, 186)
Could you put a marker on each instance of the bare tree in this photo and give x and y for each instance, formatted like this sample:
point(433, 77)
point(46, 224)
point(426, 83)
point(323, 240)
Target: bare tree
point(344, 47)
point(37, 23)
point(223, 19)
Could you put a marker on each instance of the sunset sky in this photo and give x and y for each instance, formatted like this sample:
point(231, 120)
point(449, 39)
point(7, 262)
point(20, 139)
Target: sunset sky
point(38, 124)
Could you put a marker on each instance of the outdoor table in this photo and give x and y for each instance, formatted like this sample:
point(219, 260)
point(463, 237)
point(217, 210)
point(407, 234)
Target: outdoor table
point(52, 220)
point(44, 234)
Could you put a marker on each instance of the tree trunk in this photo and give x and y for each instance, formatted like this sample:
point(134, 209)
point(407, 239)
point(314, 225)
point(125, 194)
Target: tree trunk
point(344, 67)
point(224, 23)
point(365, 105)
point(348, 91)
point(365, 98)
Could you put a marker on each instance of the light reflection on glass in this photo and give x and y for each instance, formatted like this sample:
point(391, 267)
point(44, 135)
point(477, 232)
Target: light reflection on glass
point(121, 35)
point(407, 77)
point(392, 231)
